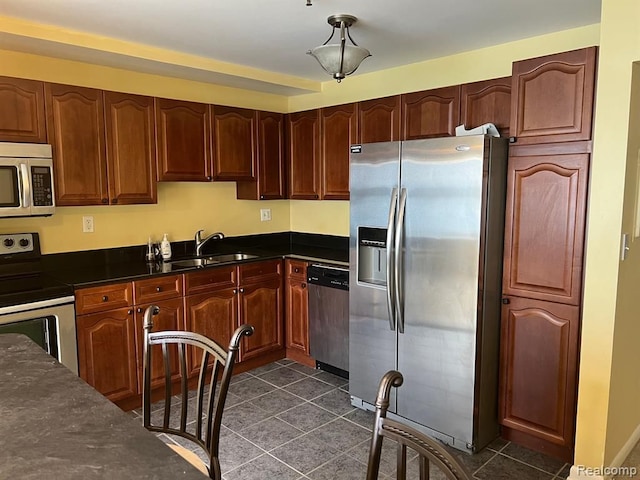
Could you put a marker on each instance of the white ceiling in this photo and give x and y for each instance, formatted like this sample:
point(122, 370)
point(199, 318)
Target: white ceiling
point(273, 35)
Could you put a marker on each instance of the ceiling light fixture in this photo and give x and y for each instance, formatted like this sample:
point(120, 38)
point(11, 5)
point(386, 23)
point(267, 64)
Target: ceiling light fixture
point(340, 59)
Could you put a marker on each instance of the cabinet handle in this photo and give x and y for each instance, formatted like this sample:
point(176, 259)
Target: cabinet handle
point(506, 301)
point(235, 290)
point(105, 298)
point(158, 289)
point(129, 312)
point(242, 290)
point(139, 310)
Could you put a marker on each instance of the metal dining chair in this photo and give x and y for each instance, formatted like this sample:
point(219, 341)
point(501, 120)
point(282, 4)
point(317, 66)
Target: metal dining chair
point(429, 451)
point(210, 395)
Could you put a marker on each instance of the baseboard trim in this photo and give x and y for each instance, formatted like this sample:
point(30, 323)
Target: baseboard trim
point(580, 473)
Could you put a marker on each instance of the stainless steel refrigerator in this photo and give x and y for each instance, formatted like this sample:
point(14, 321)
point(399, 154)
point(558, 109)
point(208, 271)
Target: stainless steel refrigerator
point(426, 237)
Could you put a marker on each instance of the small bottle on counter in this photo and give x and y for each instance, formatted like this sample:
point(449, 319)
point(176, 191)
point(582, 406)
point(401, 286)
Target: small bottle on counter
point(165, 249)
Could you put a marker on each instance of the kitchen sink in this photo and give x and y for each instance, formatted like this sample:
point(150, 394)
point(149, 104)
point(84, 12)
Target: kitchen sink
point(200, 262)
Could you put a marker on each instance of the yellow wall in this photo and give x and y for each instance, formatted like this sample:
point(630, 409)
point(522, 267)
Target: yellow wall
point(601, 431)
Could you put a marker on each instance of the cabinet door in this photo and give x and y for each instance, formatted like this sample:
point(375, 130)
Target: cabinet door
point(552, 97)
point(22, 111)
point(379, 120)
point(303, 130)
point(538, 369)
point(75, 128)
point(261, 306)
point(297, 316)
point(131, 148)
point(234, 143)
point(183, 140)
point(338, 130)
point(544, 226)
point(106, 353)
point(486, 102)
point(432, 113)
point(269, 183)
point(170, 317)
point(213, 315)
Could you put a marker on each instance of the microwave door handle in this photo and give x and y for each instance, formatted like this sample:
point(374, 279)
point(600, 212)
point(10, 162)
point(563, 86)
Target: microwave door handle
point(390, 235)
point(398, 261)
point(26, 185)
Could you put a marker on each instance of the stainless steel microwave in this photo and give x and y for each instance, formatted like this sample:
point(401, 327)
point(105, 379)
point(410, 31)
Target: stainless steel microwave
point(26, 180)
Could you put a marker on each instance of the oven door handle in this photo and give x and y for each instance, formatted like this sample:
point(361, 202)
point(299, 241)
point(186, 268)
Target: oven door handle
point(26, 185)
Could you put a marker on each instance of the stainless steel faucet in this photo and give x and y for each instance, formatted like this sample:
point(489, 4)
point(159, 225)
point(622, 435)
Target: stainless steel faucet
point(200, 242)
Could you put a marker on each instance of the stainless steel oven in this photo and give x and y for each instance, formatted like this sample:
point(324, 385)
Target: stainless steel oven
point(50, 323)
point(33, 302)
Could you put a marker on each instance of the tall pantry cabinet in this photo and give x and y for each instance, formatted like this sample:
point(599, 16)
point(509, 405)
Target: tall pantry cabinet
point(551, 117)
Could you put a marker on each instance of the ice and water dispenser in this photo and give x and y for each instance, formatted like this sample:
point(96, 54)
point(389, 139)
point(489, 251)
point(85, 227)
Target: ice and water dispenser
point(372, 255)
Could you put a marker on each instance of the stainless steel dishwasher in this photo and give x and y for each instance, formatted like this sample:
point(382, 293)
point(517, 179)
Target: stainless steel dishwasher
point(329, 317)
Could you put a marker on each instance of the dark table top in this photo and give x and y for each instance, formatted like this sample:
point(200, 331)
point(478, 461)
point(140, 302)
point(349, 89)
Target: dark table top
point(54, 425)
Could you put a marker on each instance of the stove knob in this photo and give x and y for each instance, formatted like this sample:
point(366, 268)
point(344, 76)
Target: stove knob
point(8, 242)
point(24, 242)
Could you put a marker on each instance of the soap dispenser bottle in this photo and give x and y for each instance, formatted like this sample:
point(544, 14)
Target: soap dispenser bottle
point(165, 249)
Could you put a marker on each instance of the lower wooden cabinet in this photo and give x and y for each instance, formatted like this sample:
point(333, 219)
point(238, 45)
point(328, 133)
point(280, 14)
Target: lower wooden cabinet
point(297, 306)
point(106, 352)
point(538, 374)
point(260, 305)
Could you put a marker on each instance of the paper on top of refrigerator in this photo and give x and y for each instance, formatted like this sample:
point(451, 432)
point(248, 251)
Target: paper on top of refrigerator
point(486, 129)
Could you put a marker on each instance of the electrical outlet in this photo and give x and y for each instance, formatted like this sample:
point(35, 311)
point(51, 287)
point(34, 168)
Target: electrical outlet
point(87, 224)
point(265, 214)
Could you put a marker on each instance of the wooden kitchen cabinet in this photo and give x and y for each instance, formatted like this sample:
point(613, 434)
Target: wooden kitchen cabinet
point(234, 132)
point(22, 112)
point(545, 226)
point(552, 97)
point(538, 374)
point(131, 148)
point(183, 140)
point(106, 353)
point(379, 120)
point(270, 165)
point(431, 113)
point(303, 133)
point(297, 312)
point(75, 128)
point(487, 101)
point(338, 131)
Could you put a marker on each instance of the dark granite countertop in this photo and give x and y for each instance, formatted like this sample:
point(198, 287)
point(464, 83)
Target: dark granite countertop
point(56, 426)
point(83, 269)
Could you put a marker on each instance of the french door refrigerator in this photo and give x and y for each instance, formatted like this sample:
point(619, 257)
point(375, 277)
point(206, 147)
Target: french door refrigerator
point(426, 237)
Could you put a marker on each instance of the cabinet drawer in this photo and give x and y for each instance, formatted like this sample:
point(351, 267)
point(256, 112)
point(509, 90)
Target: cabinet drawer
point(103, 298)
point(210, 279)
point(296, 268)
point(158, 288)
point(252, 272)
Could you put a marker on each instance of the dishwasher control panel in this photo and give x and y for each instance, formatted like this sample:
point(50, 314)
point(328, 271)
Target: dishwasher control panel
point(328, 276)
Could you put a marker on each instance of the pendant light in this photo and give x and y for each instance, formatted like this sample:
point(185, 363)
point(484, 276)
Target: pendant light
point(340, 59)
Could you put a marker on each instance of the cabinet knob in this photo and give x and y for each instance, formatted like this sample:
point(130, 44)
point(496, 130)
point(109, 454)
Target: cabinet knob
point(105, 200)
point(296, 270)
point(513, 139)
point(304, 285)
point(139, 310)
point(316, 196)
point(129, 312)
point(158, 289)
point(235, 290)
point(506, 301)
point(261, 197)
point(242, 290)
point(105, 298)
point(115, 200)
point(209, 177)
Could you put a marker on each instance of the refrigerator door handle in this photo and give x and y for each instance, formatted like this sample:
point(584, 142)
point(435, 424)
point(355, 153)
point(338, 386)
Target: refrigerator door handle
point(398, 266)
point(390, 269)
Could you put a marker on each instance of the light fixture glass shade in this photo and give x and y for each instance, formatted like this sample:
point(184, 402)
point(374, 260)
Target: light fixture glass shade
point(329, 58)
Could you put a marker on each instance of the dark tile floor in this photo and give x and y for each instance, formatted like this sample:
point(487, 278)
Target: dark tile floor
point(288, 421)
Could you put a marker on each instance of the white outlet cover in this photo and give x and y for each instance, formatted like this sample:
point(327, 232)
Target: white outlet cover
point(265, 214)
point(87, 224)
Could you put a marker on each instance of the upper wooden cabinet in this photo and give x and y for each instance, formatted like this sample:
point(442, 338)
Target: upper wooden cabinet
point(22, 117)
point(303, 132)
point(234, 132)
point(431, 113)
point(75, 128)
point(545, 226)
point(183, 138)
point(269, 182)
point(338, 130)
point(131, 148)
point(488, 101)
point(552, 97)
point(379, 120)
